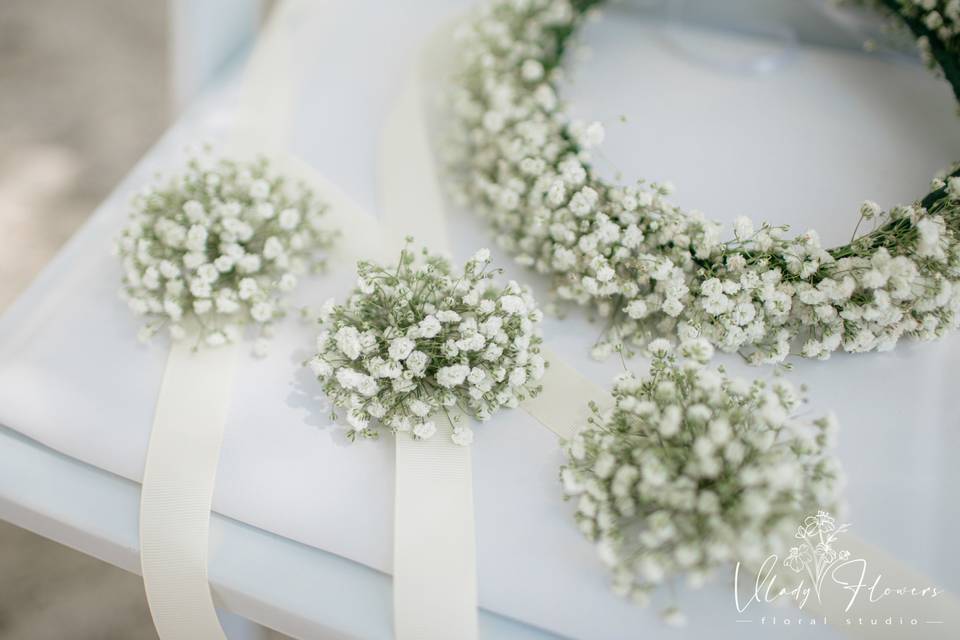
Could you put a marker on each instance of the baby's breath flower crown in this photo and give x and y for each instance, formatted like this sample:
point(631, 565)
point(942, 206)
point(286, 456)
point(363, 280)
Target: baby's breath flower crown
point(214, 249)
point(417, 340)
point(693, 469)
point(655, 270)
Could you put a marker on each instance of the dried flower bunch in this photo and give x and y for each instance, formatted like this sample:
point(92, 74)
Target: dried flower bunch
point(214, 249)
point(693, 469)
point(654, 270)
point(418, 342)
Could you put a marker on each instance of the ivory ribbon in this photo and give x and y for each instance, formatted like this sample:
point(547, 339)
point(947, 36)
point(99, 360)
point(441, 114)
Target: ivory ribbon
point(177, 489)
point(189, 420)
point(566, 398)
point(411, 200)
point(434, 553)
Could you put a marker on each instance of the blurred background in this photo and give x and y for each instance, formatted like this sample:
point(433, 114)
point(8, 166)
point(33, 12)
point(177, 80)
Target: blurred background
point(83, 94)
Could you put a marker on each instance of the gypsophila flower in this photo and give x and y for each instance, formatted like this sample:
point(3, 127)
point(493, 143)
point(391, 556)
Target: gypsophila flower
point(691, 469)
point(416, 343)
point(654, 270)
point(200, 256)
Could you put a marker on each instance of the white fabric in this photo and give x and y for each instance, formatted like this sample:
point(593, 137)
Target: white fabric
point(434, 548)
point(178, 481)
point(286, 469)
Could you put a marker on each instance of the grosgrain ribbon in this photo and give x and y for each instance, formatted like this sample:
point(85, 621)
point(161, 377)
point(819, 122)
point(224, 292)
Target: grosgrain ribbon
point(189, 420)
point(434, 553)
point(178, 482)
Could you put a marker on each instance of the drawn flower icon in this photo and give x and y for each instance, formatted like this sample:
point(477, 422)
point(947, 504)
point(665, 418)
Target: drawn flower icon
point(826, 552)
point(823, 522)
point(794, 561)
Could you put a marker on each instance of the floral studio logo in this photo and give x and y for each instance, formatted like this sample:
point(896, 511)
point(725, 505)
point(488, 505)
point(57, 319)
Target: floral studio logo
point(829, 584)
point(816, 554)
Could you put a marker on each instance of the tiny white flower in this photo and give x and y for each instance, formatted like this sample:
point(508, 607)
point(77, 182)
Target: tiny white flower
point(289, 219)
point(425, 430)
point(357, 420)
point(660, 347)
point(288, 282)
point(417, 363)
point(452, 376)
point(272, 248)
point(531, 70)
point(401, 347)
point(262, 312)
point(265, 210)
point(448, 316)
point(593, 135)
point(259, 189)
point(481, 256)
point(743, 228)
point(320, 367)
point(429, 327)
point(512, 304)
point(348, 342)
point(420, 408)
point(462, 436)
point(216, 339)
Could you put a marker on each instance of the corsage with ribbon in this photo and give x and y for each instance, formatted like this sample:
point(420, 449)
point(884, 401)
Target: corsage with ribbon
point(205, 254)
point(416, 349)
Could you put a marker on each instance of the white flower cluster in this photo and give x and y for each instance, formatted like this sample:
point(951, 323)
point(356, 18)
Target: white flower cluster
point(417, 340)
point(653, 269)
point(692, 469)
point(214, 249)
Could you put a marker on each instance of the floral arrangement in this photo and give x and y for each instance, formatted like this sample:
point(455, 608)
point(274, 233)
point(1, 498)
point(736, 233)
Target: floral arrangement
point(653, 270)
point(417, 339)
point(692, 469)
point(212, 250)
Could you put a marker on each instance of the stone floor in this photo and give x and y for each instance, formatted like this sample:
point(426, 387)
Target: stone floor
point(82, 96)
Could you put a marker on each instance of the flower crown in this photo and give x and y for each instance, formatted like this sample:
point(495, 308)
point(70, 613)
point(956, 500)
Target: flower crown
point(654, 270)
